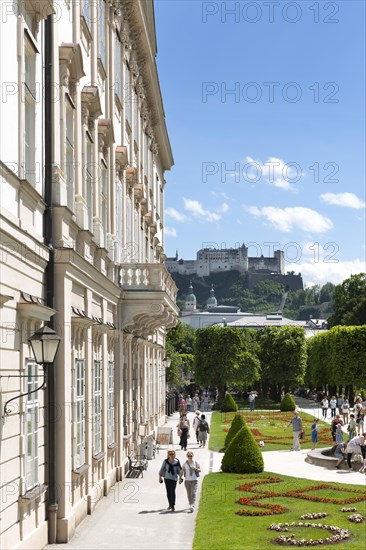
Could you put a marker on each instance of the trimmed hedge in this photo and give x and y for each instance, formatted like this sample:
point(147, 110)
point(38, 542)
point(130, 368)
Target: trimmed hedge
point(229, 404)
point(236, 425)
point(243, 455)
point(287, 403)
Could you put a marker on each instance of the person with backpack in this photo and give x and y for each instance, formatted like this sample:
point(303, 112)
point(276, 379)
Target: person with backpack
point(169, 472)
point(203, 430)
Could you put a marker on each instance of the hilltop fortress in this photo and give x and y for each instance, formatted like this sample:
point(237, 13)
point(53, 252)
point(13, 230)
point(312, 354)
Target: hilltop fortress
point(218, 260)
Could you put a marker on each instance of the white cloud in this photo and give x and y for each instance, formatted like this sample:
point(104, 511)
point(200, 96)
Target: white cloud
point(170, 231)
point(196, 208)
point(274, 170)
point(320, 272)
point(288, 219)
point(175, 215)
point(349, 200)
point(223, 208)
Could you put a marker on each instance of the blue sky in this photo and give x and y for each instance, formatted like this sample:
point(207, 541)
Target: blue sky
point(265, 108)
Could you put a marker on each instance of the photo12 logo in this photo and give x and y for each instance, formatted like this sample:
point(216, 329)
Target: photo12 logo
point(273, 171)
point(270, 92)
point(270, 12)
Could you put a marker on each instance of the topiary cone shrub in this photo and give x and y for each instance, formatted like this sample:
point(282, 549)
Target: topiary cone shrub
point(287, 403)
point(229, 404)
point(236, 425)
point(243, 455)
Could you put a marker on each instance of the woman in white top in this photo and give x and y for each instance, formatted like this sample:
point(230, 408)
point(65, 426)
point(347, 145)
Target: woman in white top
point(324, 405)
point(356, 445)
point(191, 471)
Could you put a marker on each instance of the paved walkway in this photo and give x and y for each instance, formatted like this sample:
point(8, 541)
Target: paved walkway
point(133, 516)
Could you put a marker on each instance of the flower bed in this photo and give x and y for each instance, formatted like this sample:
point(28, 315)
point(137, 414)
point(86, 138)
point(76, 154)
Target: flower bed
point(338, 534)
point(252, 487)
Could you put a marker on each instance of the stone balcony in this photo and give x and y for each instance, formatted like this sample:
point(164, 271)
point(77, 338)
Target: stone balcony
point(148, 300)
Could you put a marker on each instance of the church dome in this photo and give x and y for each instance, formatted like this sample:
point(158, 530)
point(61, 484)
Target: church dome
point(211, 302)
point(191, 301)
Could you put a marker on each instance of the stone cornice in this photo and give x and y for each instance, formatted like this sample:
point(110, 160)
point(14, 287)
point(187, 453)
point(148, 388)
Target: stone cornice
point(141, 34)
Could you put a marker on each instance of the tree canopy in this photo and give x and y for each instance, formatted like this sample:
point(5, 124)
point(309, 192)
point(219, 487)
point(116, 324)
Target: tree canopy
point(224, 357)
point(350, 302)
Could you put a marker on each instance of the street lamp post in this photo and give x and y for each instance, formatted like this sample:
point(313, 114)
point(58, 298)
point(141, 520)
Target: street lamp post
point(45, 343)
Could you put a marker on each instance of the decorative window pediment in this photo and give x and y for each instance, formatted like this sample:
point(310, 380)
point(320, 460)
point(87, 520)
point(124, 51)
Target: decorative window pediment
point(31, 307)
point(90, 98)
point(41, 9)
point(72, 56)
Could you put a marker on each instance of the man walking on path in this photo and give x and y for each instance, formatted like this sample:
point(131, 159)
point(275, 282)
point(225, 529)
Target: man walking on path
point(296, 423)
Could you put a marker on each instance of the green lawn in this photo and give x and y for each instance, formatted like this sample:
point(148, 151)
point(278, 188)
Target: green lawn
point(270, 427)
point(219, 527)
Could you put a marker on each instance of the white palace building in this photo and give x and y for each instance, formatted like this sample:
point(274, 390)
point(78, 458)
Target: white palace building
point(84, 148)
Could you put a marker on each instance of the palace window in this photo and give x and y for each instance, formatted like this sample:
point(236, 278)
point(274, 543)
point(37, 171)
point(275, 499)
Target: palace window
point(104, 199)
point(29, 112)
point(70, 164)
point(111, 427)
point(86, 13)
point(128, 95)
point(89, 180)
point(102, 33)
point(119, 215)
point(118, 69)
point(80, 413)
point(97, 407)
point(31, 426)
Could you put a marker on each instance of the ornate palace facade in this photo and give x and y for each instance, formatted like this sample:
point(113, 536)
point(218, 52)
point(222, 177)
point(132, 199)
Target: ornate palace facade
point(84, 148)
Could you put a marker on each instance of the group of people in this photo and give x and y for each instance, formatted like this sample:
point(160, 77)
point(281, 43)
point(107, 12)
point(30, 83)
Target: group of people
point(172, 472)
point(199, 425)
point(186, 403)
point(341, 406)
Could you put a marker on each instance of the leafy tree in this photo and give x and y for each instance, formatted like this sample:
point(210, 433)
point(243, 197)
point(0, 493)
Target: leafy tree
point(179, 347)
point(349, 302)
point(337, 357)
point(182, 337)
point(224, 356)
point(243, 455)
point(326, 292)
point(282, 356)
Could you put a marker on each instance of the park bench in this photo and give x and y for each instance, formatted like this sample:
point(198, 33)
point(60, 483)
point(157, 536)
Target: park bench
point(137, 465)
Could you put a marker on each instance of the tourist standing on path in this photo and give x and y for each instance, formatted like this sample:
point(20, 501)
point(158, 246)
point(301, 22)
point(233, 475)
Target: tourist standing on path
point(296, 423)
point(251, 399)
point(345, 410)
point(182, 405)
point(191, 471)
point(314, 433)
point(352, 430)
point(196, 402)
point(358, 415)
point(169, 472)
point(325, 404)
point(333, 406)
point(356, 445)
point(203, 430)
point(340, 401)
point(183, 431)
point(196, 423)
point(189, 404)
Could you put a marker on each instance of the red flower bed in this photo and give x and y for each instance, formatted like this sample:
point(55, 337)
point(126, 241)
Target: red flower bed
point(269, 509)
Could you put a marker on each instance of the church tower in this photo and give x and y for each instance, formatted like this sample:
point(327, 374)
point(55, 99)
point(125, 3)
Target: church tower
point(191, 302)
point(211, 302)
